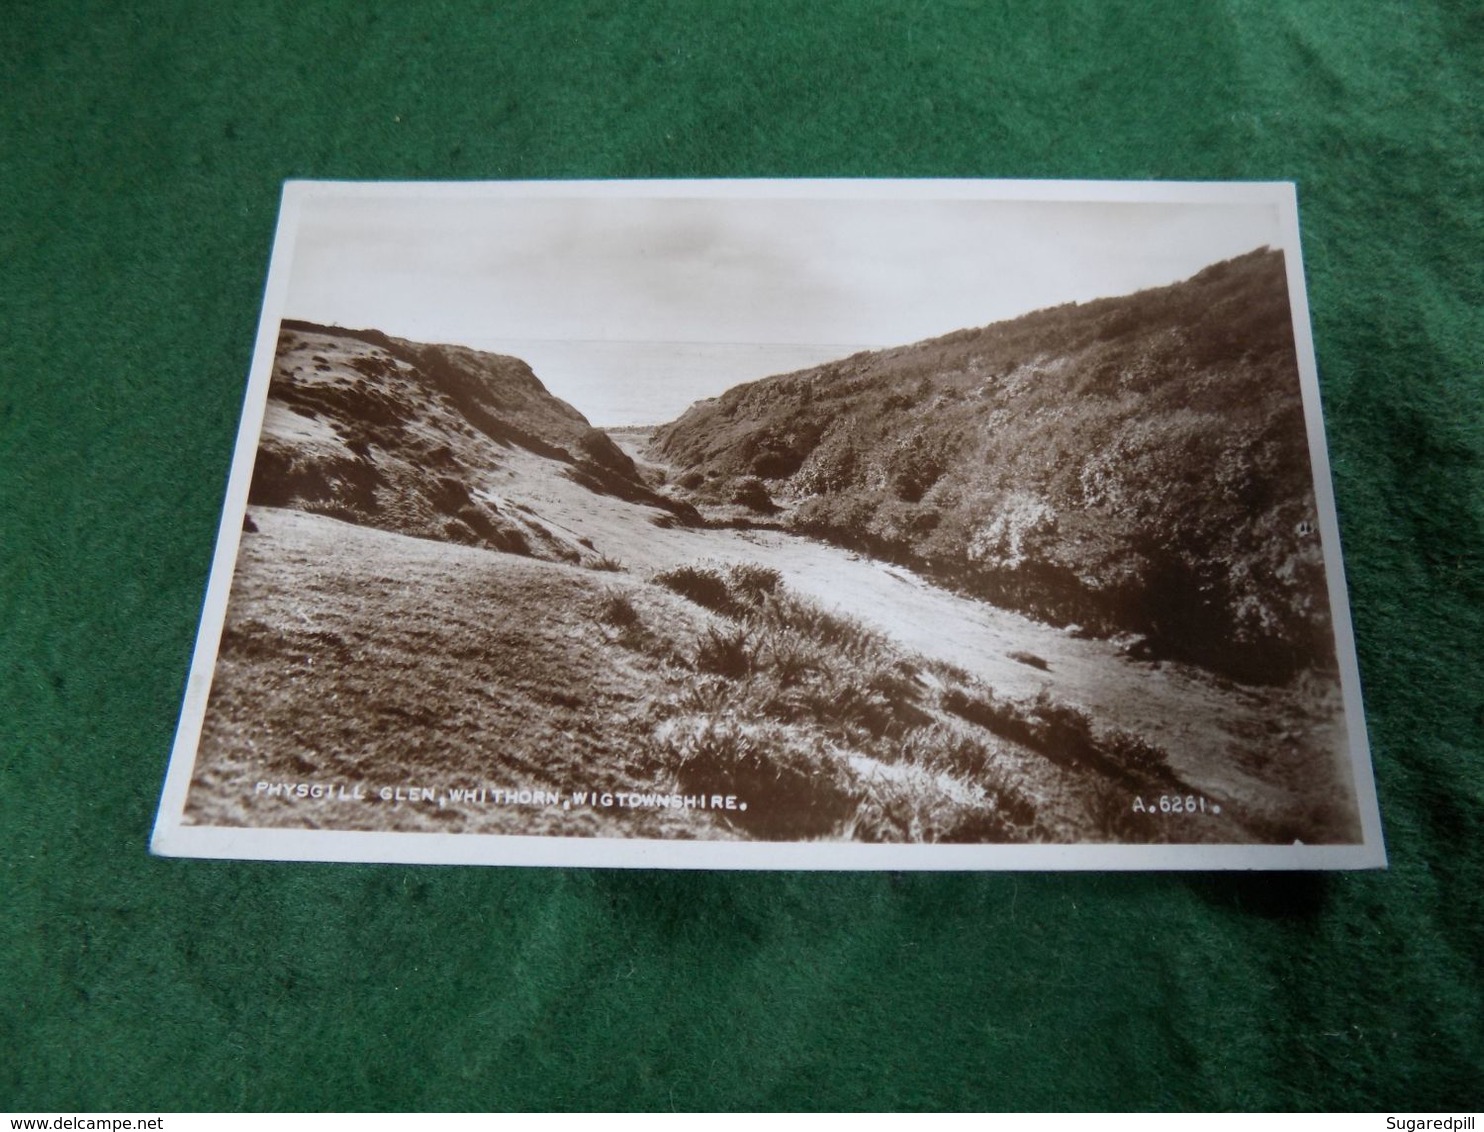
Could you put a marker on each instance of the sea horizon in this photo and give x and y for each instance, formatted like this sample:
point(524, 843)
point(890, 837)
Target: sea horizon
point(618, 384)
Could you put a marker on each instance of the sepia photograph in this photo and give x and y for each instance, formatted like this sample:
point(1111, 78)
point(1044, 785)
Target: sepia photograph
point(768, 524)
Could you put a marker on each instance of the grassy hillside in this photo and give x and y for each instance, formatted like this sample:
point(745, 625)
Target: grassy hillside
point(358, 658)
point(402, 436)
point(1131, 465)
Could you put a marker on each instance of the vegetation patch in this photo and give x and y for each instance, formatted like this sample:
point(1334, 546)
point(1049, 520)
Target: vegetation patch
point(837, 732)
point(1132, 465)
point(795, 787)
point(618, 610)
point(1029, 659)
point(703, 585)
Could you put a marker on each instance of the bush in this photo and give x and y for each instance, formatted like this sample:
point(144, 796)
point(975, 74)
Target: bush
point(938, 747)
point(1029, 658)
point(987, 712)
point(754, 582)
point(853, 638)
point(699, 584)
point(1131, 752)
point(619, 612)
point(793, 785)
point(790, 657)
point(1058, 730)
point(947, 670)
point(603, 562)
point(725, 652)
point(848, 705)
point(914, 807)
point(750, 492)
point(706, 695)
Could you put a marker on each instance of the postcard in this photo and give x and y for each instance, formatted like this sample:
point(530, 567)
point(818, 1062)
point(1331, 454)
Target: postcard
point(779, 525)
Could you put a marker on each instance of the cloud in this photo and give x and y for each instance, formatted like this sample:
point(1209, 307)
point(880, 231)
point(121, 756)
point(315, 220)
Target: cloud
point(735, 270)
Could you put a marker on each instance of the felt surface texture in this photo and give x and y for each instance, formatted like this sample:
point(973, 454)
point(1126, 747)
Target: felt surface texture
point(141, 152)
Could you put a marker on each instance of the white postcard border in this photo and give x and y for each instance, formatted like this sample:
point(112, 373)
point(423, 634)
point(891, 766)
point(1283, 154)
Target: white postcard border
point(173, 838)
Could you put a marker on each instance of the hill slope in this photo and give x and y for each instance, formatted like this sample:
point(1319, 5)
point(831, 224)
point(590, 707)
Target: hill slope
point(372, 660)
point(397, 435)
point(1136, 464)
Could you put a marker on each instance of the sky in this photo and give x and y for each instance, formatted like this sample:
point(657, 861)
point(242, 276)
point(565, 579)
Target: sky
point(632, 308)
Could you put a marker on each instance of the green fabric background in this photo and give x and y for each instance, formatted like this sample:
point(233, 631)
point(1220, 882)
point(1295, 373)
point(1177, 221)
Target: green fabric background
point(141, 151)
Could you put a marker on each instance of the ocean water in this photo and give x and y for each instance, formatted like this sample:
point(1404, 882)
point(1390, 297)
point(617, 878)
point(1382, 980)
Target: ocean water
point(641, 383)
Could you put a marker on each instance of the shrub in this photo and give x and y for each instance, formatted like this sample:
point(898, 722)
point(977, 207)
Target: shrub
point(830, 630)
point(985, 825)
point(883, 700)
point(1014, 807)
point(699, 584)
point(603, 562)
point(1131, 752)
point(914, 807)
point(1058, 730)
point(1030, 659)
point(754, 582)
point(850, 636)
point(849, 705)
point(706, 695)
point(942, 748)
point(725, 652)
point(793, 785)
point(897, 681)
point(987, 712)
point(619, 612)
point(947, 670)
point(750, 492)
point(790, 657)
